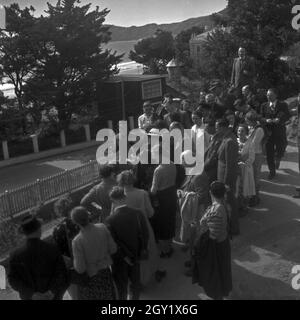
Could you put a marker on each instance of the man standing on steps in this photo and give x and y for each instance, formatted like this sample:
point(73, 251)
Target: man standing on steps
point(275, 114)
point(243, 71)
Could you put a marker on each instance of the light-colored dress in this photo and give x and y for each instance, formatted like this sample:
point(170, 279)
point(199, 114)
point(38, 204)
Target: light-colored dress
point(139, 199)
point(246, 179)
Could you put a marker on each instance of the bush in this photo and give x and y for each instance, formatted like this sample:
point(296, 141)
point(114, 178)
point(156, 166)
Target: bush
point(75, 136)
point(9, 236)
point(20, 147)
point(48, 142)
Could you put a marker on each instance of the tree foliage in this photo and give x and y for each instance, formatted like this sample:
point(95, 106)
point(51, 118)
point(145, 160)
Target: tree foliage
point(71, 59)
point(263, 27)
point(53, 61)
point(17, 52)
point(154, 52)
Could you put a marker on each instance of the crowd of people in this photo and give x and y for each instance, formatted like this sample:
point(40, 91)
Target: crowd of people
point(112, 245)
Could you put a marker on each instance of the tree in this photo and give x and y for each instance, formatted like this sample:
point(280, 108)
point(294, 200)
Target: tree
point(263, 27)
point(17, 54)
point(218, 53)
point(70, 59)
point(154, 52)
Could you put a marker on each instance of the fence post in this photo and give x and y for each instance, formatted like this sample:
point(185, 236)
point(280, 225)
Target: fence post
point(39, 191)
point(5, 150)
point(87, 132)
point(131, 122)
point(67, 180)
point(35, 142)
point(110, 124)
point(9, 206)
point(62, 138)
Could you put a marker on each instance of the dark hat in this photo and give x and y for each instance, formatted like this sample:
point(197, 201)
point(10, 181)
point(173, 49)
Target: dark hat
point(30, 224)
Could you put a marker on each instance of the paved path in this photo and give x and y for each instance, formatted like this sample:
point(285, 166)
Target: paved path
point(263, 255)
point(18, 175)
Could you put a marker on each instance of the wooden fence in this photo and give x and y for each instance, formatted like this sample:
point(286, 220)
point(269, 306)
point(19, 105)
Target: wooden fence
point(30, 196)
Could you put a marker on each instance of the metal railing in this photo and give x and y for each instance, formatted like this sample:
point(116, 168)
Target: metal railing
point(30, 196)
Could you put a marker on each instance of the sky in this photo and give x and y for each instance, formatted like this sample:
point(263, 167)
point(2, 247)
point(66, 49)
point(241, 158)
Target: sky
point(140, 12)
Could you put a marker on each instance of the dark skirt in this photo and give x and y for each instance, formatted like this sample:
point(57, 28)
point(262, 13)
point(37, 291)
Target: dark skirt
point(164, 219)
point(211, 266)
point(99, 287)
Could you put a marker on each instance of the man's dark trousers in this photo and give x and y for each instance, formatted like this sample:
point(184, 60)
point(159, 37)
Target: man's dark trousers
point(124, 273)
point(275, 148)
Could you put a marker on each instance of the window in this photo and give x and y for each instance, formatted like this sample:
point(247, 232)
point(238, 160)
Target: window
point(151, 89)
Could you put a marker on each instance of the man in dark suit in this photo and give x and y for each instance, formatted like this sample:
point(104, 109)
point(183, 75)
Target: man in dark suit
point(211, 157)
point(228, 169)
point(37, 269)
point(275, 114)
point(211, 112)
point(129, 229)
point(243, 71)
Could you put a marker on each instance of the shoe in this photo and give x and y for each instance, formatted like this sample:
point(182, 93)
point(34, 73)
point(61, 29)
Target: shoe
point(188, 264)
point(271, 175)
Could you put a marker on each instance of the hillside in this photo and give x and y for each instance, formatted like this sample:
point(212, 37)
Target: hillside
point(135, 33)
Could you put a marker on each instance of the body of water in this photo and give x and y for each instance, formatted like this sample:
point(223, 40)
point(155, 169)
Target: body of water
point(122, 47)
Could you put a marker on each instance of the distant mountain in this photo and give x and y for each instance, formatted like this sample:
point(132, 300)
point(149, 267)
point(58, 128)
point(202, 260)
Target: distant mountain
point(136, 33)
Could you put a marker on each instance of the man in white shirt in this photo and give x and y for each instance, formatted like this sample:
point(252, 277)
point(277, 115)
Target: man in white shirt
point(146, 119)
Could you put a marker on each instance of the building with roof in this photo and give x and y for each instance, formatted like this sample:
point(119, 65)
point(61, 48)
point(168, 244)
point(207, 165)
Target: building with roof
point(123, 95)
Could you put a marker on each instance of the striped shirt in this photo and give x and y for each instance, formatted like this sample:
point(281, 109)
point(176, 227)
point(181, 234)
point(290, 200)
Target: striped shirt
point(215, 220)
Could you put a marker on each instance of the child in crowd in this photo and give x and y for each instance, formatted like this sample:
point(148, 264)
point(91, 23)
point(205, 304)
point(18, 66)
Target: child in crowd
point(146, 119)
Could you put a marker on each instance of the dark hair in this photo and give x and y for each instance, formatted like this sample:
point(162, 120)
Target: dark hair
point(218, 189)
point(205, 106)
point(30, 224)
point(169, 96)
point(243, 125)
point(80, 216)
point(198, 113)
point(117, 193)
point(106, 170)
point(160, 124)
point(223, 122)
